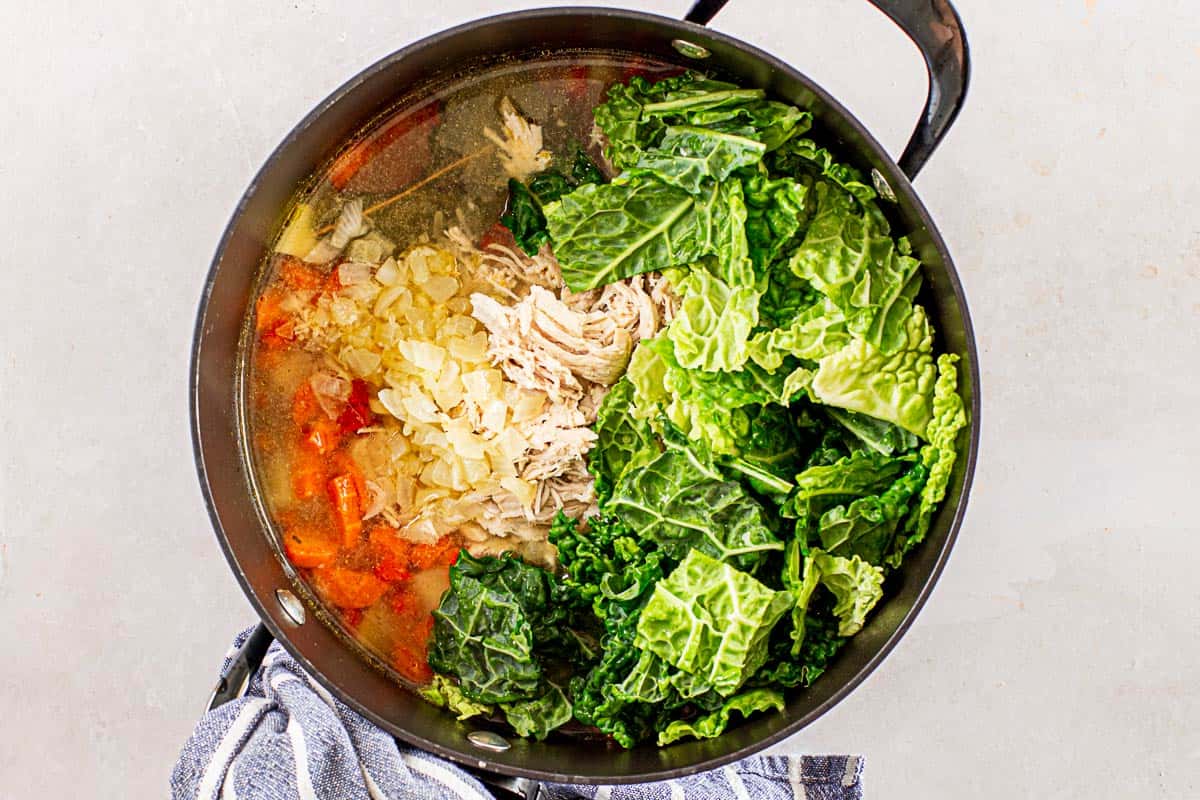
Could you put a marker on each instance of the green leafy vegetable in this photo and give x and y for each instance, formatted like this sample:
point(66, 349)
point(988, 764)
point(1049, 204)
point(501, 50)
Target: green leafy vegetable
point(856, 585)
point(688, 156)
point(775, 214)
point(938, 456)
point(524, 218)
point(897, 387)
point(773, 123)
point(584, 170)
point(814, 333)
point(848, 255)
point(623, 440)
point(714, 724)
point(822, 487)
point(538, 716)
point(708, 619)
point(882, 437)
point(681, 502)
point(605, 232)
point(482, 636)
point(866, 526)
point(444, 693)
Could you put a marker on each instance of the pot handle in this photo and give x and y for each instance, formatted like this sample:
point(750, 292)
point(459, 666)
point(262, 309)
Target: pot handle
point(249, 658)
point(936, 29)
point(245, 663)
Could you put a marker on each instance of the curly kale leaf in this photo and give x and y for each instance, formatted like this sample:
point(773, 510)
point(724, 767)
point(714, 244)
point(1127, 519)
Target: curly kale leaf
point(681, 501)
point(482, 636)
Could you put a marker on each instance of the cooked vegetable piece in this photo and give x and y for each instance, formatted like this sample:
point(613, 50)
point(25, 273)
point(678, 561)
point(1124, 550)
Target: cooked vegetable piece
point(713, 724)
point(308, 547)
point(894, 387)
point(344, 496)
point(605, 232)
point(711, 620)
point(348, 588)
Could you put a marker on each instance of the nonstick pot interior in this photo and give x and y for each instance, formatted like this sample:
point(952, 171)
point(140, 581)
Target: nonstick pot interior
point(218, 418)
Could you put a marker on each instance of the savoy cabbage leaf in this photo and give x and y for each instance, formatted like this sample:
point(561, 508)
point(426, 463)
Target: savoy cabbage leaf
point(895, 387)
point(711, 620)
point(714, 723)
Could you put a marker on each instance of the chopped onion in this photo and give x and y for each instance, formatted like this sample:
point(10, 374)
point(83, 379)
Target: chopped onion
point(331, 392)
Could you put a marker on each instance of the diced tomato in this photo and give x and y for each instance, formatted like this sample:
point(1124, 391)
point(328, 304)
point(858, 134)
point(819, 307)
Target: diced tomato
point(333, 281)
point(497, 234)
point(352, 616)
point(308, 474)
point(421, 122)
point(304, 404)
point(346, 508)
point(358, 412)
point(298, 275)
point(308, 547)
point(347, 588)
point(577, 83)
point(323, 435)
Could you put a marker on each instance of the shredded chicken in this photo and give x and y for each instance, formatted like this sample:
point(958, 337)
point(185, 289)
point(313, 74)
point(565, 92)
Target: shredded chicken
point(520, 143)
point(541, 343)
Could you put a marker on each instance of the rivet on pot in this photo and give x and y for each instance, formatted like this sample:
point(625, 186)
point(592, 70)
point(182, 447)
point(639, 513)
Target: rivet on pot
point(882, 186)
point(293, 609)
point(690, 49)
point(487, 740)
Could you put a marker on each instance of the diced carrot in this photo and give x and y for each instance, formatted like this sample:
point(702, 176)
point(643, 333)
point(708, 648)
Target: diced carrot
point(347, 588)
point(286, 330)
point(333, 281)
point(442, 553)
point(298, 275)
point(308, 475)
point(308, 547)
point(346, 508)
point(349, 163)
point(411, 662)
point(343, 462)
point(304, 404)
point(323, 435)
point(391, 554)
point(268, 310)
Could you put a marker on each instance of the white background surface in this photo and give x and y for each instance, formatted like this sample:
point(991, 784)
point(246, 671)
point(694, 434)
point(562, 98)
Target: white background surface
point(1058, 655)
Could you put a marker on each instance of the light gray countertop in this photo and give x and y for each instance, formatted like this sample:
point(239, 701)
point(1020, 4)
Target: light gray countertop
point(1058, 654)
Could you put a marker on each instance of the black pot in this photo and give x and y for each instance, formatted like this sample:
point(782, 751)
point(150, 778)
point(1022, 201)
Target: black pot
point(218, 391)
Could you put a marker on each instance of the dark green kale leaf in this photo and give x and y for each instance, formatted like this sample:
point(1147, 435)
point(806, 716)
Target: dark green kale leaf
point(523, 216)
point(623, 440)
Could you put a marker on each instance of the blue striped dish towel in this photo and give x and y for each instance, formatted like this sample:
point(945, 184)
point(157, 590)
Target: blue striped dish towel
point(287, 738)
